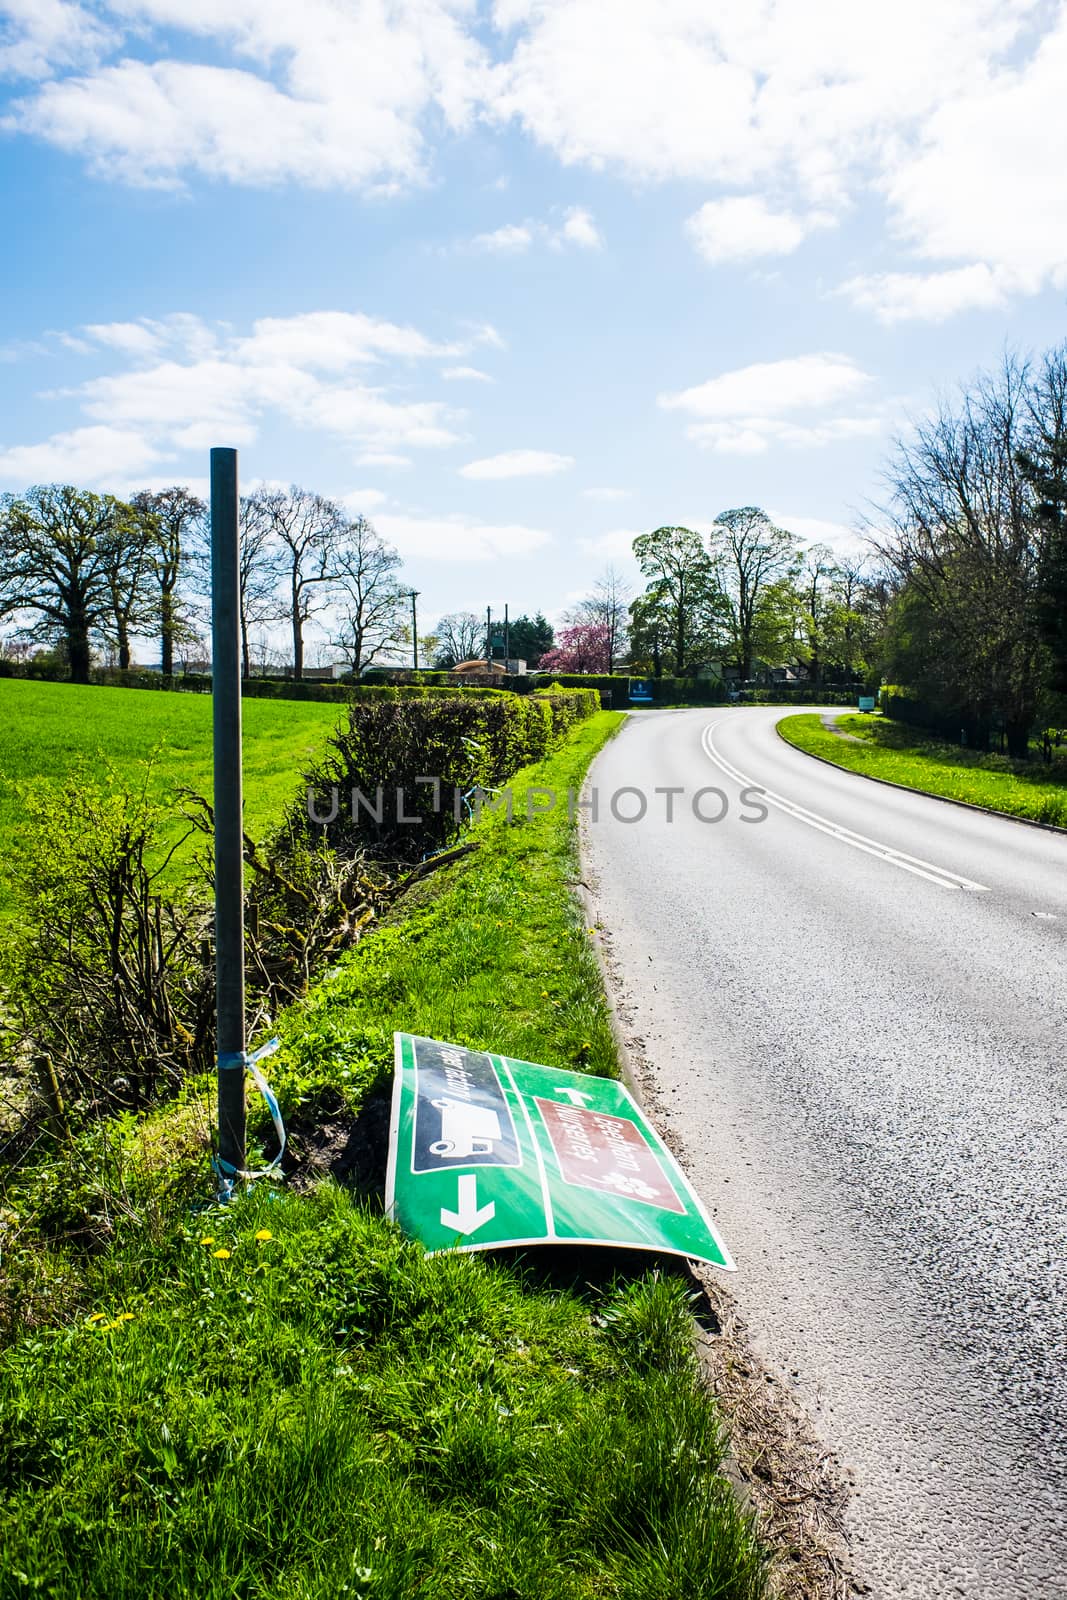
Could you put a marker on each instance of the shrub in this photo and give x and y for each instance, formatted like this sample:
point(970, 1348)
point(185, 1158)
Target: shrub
point(379, 769)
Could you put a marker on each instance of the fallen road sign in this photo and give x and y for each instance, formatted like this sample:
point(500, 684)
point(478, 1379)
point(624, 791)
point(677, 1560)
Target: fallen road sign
point(486, 1151)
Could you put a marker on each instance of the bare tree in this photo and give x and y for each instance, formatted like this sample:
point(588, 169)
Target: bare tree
point(458, 636)
point(259, 573)
point(607, 607)
point(309, 531)
point(178, 517)
point(963, 538)
point(371, 603)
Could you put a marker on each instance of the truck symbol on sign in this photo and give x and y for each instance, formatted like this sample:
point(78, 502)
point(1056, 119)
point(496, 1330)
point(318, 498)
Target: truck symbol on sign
point(466, 1130)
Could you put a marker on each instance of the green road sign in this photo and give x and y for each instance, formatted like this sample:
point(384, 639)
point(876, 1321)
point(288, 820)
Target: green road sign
point(485, 1151)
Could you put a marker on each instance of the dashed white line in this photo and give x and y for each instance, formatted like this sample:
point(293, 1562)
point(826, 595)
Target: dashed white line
point(858, 841)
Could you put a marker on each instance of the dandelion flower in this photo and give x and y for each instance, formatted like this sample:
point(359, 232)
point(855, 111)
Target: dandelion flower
point(125, 1316)
point(263, 1235)
point(97, 1316)
point(208, 1238)
point(221, 1255)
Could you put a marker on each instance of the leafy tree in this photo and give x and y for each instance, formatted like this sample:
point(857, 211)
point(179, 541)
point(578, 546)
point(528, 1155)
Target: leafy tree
point(129, 564)
point(682, 584)
point(63, 555)
point(177, 517)
point(815, 594)
point(530, 637)
point(650, 634)
point(371, 602)
point(583, 647)
point(755, 563)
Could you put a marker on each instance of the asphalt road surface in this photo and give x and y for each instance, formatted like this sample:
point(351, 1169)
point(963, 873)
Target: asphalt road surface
point(854, 1013)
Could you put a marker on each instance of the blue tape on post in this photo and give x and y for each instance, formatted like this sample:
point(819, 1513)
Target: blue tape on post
point(230, 1061)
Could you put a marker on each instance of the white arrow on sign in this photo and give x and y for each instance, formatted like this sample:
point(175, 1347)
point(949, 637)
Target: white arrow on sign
point(577, 1097)
point(469, 1217)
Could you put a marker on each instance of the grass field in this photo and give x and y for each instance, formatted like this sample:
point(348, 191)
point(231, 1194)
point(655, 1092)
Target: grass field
point(904, 755)
point(49, 731)
point(285, 1399)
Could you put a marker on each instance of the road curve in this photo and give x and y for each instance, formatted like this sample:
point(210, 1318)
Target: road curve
point(853, 1012)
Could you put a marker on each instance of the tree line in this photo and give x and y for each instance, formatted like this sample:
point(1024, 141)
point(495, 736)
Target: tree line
point(79, 569)
point(974, 543)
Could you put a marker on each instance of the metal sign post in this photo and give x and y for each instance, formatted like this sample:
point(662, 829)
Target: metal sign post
point(485, 1151)
point(229, 851)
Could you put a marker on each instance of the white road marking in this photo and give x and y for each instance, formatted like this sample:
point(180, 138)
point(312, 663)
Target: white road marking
point(858, 841)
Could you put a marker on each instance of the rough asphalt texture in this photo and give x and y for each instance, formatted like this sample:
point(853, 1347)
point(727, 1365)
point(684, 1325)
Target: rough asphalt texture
point(866, 1072)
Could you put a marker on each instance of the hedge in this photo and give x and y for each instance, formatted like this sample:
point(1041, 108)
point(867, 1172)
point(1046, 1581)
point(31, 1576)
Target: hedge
point(464, 741)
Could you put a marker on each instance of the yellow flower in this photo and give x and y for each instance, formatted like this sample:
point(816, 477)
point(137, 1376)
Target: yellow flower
point(208, 1239)
point(221, 1255)
point(544, 994)
point(125, 1316)
point(97, 1316)
point(263, 1235)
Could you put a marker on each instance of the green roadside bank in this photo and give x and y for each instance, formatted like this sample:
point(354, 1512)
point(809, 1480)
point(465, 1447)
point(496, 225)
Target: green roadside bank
point(902, 755)
point(285, 1398)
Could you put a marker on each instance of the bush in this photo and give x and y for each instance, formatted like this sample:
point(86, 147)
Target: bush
point(380, 767)
point(614, 689)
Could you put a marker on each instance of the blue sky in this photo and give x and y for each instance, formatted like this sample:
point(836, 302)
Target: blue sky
point(519, 281)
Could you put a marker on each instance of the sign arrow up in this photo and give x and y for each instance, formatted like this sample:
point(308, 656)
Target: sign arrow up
point(469, 1217)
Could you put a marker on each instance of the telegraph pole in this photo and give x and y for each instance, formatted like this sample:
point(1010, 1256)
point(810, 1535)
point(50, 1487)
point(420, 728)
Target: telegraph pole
point(413, 595)
point(507, 638)
point(229, 841)
point(488, 636)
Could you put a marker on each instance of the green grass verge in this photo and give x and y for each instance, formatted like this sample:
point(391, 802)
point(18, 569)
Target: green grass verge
point(905, 755)
point(49, 731)
point(490, 952)
point(286, 1400)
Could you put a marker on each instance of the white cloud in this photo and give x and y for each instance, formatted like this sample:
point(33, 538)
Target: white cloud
point(333, 340)
point(949, 109)
point(460, 374)
point(513, 238)
point(745, 411)
point(616, 545)
point(360, 501)
point(928, 296)
point(355, 84)
point(517, 464)
point(743, 227)
point(577, 230)
point(772, 387)
point(605, 493)
point(37, 37)
point(184, 384)
point(94, 457)
point(459, 538)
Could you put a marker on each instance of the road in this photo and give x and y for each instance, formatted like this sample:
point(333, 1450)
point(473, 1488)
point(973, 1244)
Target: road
point(859, 1043)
